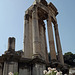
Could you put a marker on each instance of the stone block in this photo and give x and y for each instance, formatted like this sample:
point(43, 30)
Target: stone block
point(10, 67)
point(24, 71)
point(38, 69)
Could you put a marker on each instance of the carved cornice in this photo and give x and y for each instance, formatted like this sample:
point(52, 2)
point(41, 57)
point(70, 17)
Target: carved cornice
point(53, 8)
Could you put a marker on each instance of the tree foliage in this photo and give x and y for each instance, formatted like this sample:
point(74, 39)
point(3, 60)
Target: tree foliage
point(69, 58)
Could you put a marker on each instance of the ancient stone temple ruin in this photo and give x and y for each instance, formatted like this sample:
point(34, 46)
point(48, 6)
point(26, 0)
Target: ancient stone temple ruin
point(34, 57)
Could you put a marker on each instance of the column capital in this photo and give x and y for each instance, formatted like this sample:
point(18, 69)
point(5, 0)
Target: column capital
point(34, 8)
point(26, 17)
point(34, 13)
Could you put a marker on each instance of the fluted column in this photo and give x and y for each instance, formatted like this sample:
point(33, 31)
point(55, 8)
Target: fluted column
point(43, 40)
point(35, 32)
point(30, 37)
point(51, 39)
point(26, 36)
point(47, 59)
point(59, 49)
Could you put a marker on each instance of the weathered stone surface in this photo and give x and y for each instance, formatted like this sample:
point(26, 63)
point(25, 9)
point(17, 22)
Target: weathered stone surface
point(42, 39)
point(40, 1)
point(34, 57)
point(53, 9)
point(35, 41)
point(10, 67)
point(5, 70)
point(24, 71)
point(26, 46)
point(51, 39)
point(38, 69)
point(30, 37)
point(35, 32)
point(59, 49)
point(11, 43)
point(46, 51)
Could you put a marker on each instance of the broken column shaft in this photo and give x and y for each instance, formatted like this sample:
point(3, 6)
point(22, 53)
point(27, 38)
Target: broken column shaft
point(11, 44)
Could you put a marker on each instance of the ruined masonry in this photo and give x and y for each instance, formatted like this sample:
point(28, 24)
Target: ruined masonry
point(34, 57)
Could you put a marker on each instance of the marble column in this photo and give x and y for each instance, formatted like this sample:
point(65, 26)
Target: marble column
point(51, 39)
point(30, 37)
point(47, 59)
point(35, 32)
point(45, 44)
point(42, 38)
point(59, 49)
point(26, 36)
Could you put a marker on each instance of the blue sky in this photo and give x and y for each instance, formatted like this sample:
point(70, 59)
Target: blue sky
point(12, 22)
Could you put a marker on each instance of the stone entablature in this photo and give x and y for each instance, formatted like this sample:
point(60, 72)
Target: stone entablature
point(34, 31)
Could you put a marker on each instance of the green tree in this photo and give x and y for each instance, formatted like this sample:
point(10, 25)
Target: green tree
point(69, 58)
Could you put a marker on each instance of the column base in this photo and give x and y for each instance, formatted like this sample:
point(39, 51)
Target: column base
point(38, 66)
point(36, 56)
